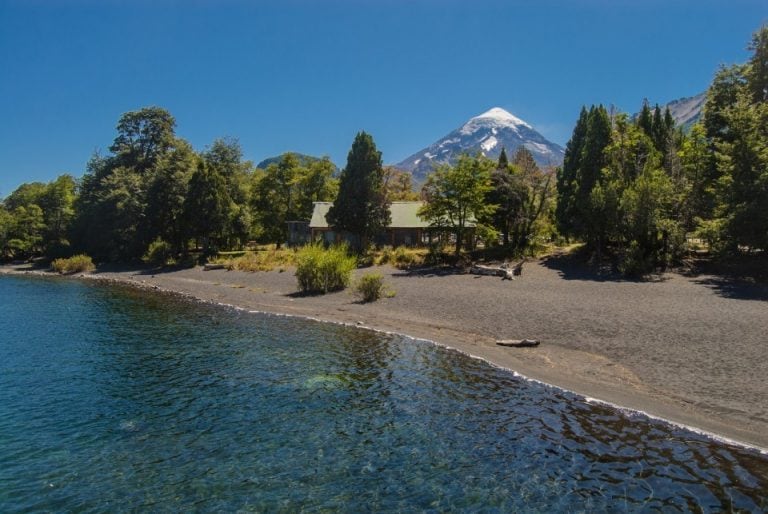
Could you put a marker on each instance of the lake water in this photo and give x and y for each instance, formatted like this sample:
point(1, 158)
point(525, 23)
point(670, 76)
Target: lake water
point(113, 399)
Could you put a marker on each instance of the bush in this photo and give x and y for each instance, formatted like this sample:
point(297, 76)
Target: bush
point(635, 262)
point(320, 270)
point(77, 264)
point(370, 287)
point(159, 253)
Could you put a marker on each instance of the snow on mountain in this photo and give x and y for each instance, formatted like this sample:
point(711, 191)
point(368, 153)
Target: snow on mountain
point(487, 133)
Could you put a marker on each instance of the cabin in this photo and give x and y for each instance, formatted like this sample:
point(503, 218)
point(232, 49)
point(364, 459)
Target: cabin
point(407, 228)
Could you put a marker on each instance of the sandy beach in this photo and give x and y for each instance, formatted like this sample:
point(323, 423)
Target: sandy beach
point(691, 350)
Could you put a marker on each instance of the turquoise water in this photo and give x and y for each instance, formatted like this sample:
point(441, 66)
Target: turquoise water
point(116, 400)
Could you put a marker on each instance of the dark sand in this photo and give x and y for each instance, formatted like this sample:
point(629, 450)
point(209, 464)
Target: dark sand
point(688, 349)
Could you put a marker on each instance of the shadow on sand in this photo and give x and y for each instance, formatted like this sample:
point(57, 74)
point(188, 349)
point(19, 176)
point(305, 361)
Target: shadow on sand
point(575, 266)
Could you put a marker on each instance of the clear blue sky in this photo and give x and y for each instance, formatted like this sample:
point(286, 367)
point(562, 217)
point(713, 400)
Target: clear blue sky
point(307, 75)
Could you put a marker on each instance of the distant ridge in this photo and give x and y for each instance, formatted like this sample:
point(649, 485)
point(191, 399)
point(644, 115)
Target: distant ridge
point(687, 111)
point(304, 160)
point(486, 133)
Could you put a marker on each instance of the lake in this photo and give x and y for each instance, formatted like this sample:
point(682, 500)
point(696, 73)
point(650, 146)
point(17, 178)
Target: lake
point(114, 399)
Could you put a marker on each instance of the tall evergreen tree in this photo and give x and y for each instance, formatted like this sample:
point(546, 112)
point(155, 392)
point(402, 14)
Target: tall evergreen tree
point(757, 73)
point(567, 175)
point(361, 206)
point(503, 160)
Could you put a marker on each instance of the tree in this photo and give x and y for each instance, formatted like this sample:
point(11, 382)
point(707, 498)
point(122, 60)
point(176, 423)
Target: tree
point(361, 207)
point(567, 174)
point(537, 192)
point(167, 194)
point(757, 73)
point(456, 195)
point(57, 203)
point(143, 137)
point(581, 173)
point(207, 207)
point(398, 185)
point(274, 199)
point(503, 160)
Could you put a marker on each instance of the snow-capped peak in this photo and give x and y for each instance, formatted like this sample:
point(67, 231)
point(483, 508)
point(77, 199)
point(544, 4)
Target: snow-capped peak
point(496, 117)
point(499, 114)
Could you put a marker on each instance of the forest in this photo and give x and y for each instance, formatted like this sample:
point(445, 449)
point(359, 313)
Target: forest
point(638, 191)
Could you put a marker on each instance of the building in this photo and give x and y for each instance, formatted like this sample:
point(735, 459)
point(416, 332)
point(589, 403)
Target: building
point(407, 228)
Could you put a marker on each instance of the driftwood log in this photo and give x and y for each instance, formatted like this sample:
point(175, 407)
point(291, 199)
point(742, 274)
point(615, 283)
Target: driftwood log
point(212, 266)
point(503, 271)
point(519, 343)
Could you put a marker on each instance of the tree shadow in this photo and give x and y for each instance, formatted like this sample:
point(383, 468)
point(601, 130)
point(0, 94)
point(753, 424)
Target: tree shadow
point(431, 271)
point(734, 287)
point(738, 277)
point(575, 266)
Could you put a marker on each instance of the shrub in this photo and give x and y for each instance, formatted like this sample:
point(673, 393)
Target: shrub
point(635, 262)
point(370, 287)
point(158, 253)
point(77, 264)
point(320, 270)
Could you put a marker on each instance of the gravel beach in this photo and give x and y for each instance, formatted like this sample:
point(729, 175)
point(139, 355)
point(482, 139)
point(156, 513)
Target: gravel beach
point(691, 350)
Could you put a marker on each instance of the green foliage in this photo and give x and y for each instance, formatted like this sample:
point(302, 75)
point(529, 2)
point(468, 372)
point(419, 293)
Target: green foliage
point(76, 264)
point(159, 253)
point(286, 192)
point(167, 193)
point(207, 207)
point(370, 287)
point(631, 204)
point(523, 196)
point(361, 207)
point(456, 195)
point(320, 270)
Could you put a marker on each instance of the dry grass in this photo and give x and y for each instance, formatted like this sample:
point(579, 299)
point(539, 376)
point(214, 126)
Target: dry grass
point(264, 258)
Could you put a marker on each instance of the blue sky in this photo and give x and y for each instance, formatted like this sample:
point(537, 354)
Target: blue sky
point(307, 75)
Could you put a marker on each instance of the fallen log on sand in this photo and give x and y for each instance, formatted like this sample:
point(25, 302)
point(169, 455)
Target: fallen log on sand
point(212, 266)
point(518, 343)
point(506, 274)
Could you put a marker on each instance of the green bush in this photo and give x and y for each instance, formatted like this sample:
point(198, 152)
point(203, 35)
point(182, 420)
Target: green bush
point(159, 253)
point(320, 270)
point(370, 287)
point(77, 264)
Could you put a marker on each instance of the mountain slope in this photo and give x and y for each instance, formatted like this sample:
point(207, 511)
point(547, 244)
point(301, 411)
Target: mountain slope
point(304, 160)
point(687, 111)
point(487, 133)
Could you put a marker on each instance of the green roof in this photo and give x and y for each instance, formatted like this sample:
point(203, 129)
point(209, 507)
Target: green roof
point(404, 215)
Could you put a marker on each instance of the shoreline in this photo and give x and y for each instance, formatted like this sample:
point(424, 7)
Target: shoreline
point(595, 375)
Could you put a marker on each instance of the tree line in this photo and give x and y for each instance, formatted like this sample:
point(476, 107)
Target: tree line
point(635, 189)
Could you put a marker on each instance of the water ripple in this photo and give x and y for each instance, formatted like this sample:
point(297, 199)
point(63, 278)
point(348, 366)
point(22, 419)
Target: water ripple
point(116, 400)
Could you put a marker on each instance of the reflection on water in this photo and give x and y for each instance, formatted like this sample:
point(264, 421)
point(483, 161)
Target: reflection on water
point(117, 400)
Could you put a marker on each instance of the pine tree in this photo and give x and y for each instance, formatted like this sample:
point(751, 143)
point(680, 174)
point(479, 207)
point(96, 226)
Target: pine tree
point(503, 161)
point(758, 65)
point(361, 208)
point(566, 176)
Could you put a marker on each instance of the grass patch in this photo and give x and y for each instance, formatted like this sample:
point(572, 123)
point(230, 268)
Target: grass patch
point(76, 264)
point(262, 259)
point(401, 257)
